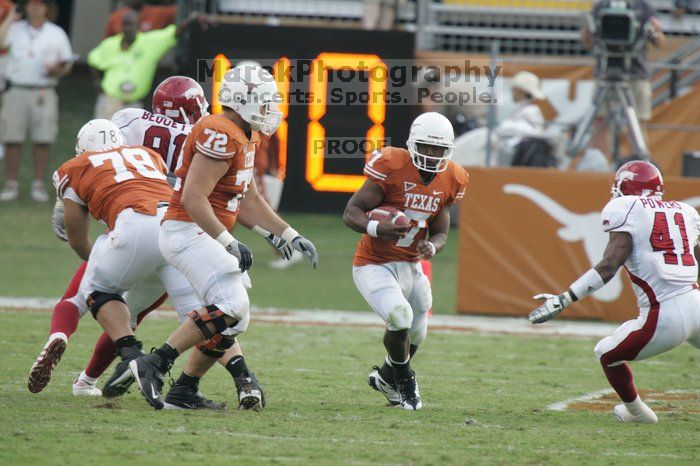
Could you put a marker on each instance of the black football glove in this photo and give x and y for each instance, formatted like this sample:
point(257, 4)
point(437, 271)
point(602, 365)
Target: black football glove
point(241, 252)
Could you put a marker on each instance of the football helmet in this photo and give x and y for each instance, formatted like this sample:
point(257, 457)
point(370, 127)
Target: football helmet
point(431, 129)
point(98, 135)
point(251, 91)
point(180, 98)
point(638, 178)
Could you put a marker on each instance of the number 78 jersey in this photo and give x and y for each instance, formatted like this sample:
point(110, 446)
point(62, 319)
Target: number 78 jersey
point(218, 138)
point(664, 234)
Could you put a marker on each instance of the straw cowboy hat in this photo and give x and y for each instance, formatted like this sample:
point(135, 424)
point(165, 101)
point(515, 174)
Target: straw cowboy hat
point(528, 82)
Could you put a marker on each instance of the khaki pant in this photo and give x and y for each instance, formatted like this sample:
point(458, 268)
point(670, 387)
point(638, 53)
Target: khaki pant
point(106, 106)
point(641, 92)
point(29, 111)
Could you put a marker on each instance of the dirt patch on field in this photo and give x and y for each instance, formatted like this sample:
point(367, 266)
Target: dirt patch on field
point(671, 401)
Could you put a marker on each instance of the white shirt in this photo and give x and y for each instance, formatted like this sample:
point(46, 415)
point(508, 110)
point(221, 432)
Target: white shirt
point(525, 120)
point(664, 234)
point(158, 132)
point(33, 51)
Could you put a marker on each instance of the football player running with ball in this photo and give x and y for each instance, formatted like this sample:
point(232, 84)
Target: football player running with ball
point(654, 240)
point(214, 181)
point(422, 182)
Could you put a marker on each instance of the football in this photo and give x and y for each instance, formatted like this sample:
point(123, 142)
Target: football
point(386, 212)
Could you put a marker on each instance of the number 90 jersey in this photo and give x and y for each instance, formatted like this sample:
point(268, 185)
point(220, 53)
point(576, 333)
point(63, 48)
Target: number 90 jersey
point(219, 138)
point(393, 170)
point(113, 180)
point(664, 233)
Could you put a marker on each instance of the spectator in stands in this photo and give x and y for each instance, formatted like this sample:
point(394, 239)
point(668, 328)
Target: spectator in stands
point(640, 83)
point(39, 55)
point(525, 120)
point(124, 65)
point(150, 17)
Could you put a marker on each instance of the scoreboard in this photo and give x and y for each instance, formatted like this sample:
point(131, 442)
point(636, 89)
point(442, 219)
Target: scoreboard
point(329, 80)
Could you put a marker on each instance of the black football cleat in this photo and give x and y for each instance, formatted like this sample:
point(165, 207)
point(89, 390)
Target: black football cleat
point(182, 396)
point(122, 378)
point(408, 389)
point(383, 386)
point(250, 393)
point(149, 372)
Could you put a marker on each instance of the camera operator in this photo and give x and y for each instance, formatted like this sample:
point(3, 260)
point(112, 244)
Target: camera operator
point(640, 85)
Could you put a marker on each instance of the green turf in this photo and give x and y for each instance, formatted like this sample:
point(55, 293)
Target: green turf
point(484, 404)
point(34, 263)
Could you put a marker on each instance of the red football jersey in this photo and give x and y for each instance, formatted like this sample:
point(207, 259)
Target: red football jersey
point(393, 170)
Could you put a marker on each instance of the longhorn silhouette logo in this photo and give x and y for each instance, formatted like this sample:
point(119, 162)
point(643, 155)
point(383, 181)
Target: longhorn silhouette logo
point(577, 227)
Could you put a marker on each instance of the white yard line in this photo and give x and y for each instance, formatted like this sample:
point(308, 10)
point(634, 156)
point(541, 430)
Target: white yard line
point(563, 405)
point(445, 323)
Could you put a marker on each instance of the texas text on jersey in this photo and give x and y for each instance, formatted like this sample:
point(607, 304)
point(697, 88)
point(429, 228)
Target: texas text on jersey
point(110, 181)
point(219, 138)
point(394, 171)
point(664, 233)
point(157, 132)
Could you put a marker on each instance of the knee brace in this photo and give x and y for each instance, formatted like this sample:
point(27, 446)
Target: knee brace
point(97, 299)
point(400, 317)
point(218, 349)
point(214, 316)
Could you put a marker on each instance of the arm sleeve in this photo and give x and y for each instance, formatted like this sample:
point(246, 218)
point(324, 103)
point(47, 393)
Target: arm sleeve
point(619, 215)
point(65, 51)
point(378, 168)
point(215, 142)
point(461, 183)
point(96, 56)
point(65, 184)
point(162, 40)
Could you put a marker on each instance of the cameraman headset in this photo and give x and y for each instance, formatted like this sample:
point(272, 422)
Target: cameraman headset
point(649, 25)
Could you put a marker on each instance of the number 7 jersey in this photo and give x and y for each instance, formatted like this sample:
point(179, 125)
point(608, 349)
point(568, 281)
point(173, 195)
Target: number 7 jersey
point(661, 264)
point(217, 137)
point(393, 170)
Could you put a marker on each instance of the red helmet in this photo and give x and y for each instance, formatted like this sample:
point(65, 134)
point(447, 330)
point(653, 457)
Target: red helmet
point(180, 98)
point(638, 178)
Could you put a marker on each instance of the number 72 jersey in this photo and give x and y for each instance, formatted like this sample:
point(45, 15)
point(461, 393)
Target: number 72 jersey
point(664, 234)
point(217, 138)
point(113, 180)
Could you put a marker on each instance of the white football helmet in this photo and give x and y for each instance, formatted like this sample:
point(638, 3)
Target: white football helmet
point(98, 135)
point(249, 90)
point(431, 129)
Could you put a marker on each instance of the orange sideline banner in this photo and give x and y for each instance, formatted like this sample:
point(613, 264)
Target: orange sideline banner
point(528, 231)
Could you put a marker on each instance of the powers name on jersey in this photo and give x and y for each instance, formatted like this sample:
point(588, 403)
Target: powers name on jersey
point(664, 233)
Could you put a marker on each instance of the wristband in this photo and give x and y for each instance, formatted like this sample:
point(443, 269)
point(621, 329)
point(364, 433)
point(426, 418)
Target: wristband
point(225, 238)
point(587, 284)
point(372, 228)
point(432, 246)
point(261, 231)
point(289, 234)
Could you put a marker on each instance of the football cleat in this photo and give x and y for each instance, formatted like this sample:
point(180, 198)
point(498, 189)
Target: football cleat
point(186, 397)
point(645, 416)
point(122, 378)
point(250, 393)
point(149, 371)
point(82, 387)
point(410, 397)
point(377, 382)
point(46, 362)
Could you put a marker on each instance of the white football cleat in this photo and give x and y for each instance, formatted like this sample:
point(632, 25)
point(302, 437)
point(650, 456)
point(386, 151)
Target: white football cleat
point(645, 416)
point(377, 382)
point(82, 387)
point(46, 362)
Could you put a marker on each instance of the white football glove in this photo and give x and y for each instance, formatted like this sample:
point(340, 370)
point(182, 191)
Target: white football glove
point(307, 248)
point(284, 248)
point(552, 307)
point(59, 228)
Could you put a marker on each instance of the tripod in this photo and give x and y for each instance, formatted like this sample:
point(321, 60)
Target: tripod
point(621, 112)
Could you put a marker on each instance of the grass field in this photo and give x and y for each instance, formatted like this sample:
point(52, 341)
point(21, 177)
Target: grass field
point(485, 403)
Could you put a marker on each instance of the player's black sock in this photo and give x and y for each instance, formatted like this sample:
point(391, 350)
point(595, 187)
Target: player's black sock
point(237, 367)
point(127, 345)
point(188, 380)
point(168, 353)
point(387, 372)
point(401, 371)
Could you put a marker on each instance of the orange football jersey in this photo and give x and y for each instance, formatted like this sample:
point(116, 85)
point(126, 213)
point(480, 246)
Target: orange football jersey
point(219, 138)
point(113, 180)
point(394, 172)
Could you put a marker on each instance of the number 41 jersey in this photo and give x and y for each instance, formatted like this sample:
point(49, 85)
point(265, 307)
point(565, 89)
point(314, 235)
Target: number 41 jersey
point(664, 234)
point(218, 138)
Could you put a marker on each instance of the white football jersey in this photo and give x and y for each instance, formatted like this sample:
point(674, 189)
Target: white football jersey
point(664, 234)
point(157, 132)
